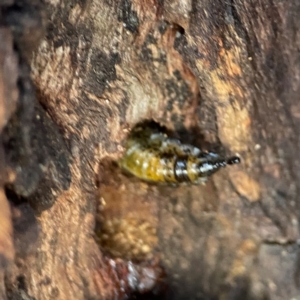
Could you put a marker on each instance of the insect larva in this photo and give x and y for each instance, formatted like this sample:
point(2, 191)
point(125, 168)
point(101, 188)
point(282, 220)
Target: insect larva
point(152, 156)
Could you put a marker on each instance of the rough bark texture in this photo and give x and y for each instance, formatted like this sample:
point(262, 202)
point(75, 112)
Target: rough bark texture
point(8, 99)
point(220, 75)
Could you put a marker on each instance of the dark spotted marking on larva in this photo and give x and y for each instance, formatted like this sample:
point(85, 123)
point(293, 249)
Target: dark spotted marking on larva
point(152, 155)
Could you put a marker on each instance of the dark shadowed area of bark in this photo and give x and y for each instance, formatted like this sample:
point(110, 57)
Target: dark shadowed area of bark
point(223, 76)
point(8, 100)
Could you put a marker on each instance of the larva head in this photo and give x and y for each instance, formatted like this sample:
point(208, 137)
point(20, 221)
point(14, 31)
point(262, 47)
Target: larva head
point(211, 165)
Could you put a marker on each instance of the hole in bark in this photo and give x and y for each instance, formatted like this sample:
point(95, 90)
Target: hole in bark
point(13, 197)
point(179, 29)
point(126, 217)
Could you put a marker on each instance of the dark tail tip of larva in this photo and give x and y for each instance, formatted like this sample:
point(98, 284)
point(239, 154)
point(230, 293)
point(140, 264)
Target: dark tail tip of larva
point(233, 160)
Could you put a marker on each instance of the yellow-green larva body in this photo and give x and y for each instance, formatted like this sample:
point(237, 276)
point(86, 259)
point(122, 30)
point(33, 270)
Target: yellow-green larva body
point(152, 156)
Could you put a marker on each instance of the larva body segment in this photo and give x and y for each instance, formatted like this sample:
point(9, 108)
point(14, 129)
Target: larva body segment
point(144, 164)
point(152, 156)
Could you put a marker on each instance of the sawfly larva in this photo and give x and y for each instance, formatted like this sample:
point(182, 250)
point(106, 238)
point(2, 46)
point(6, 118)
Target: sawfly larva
point(153, 156)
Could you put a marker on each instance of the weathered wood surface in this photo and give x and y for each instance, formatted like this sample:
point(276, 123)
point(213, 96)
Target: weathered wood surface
point(8, 99)
point(221, 75)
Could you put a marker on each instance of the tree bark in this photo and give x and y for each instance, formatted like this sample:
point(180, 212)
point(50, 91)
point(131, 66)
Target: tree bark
point(222, 76)
point(8, 99)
